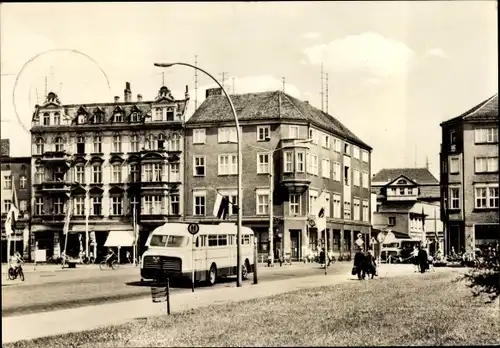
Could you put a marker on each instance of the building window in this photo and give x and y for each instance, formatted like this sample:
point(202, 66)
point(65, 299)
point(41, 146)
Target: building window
point(356, 178)
point(96, 205)
point(337, 206)
point(228, 165)
point(402, 191)
point(486, 164)
point(79, 209)
point(263, 133)
point(357, 209)
point(314, 164)
point(46, 119)
point(134, 143)
point(134, 172)
point(454, 198)
point(161, 141)
point(158, 114)
point(175, 142)
point(227, 134)
point(453, 137)
point(199, 203)
point(170, 113)
point(175, 175)
point(262, 202)
point(366, 216)
point(38, 206)
point(118, 117)
point(294, 204)
point(147, 172)
point(39, 172)
point(117, 143)
point(199, 136)
point(150, 142)
point(22, 181)
point(152, 205)
point(355, 152)
point(293, 132)
point(410, 191)
point(326, 141)
point(346, 175)
point(336, 171)
point(80, 173)
point(57, 119)
point(134, 117)
point(392, 220)
point(364, 155)
point(313, 135)
point(199, 165)
point(96, 173)
point(313, 196)
point(486, 135)
point(98, 144)
point(325, 168)
point(116, 173)
point(347, 149)
point(262, 163)
point(288, 165)
point(134, 205)
point(486, 196)
point(7, 182)
point(347, 210)
point(39, 146)
point(157, 172)
point(327, 205)
point(365, 179)
point(80, 145)
point(6, 205)
point(174, 205)
point(98, 118)
point(300, 162)
point(116, 205)
point(336, 144)
point(59, 144)
point(454, 165)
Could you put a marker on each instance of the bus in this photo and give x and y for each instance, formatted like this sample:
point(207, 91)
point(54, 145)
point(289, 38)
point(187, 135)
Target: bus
point(173, 252)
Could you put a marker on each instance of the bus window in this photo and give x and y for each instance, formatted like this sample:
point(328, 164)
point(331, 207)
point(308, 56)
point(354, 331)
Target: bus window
point(212, 240)
point(246, 239)
point(203, 241)
point(231, 240)
point(158, 240)
point(222, 239)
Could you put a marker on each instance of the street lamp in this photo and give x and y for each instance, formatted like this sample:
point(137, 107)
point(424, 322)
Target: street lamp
point(271, 191)
point(238, 134)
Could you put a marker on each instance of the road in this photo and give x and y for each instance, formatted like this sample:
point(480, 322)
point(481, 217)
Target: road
point(48, 291)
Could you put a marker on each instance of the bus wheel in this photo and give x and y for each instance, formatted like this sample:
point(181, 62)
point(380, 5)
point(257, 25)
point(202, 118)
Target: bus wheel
point(212, 275)
point(244, 270)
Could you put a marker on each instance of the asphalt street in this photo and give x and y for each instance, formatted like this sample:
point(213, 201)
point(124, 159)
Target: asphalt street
point(47, 291)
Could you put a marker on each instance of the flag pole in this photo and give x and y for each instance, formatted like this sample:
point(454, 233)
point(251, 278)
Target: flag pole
point(87, 213)
point(134, 250)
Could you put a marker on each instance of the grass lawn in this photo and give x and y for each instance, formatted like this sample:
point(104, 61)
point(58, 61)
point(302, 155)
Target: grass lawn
point(417, 309)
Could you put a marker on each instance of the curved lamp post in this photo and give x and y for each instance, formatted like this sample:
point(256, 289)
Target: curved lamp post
point(238, 134)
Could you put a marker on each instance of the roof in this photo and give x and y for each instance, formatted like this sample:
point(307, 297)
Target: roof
point(399, 207)
point(484, 111)
point(430, 192)
point(420, 175)
point(274, 105)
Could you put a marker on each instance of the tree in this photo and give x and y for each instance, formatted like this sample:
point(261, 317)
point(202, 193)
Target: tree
point(484, 278)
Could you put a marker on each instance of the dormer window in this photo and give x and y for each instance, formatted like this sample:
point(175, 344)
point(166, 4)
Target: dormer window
point(158, 114)
point(170, 113)
point(98, 118)
point(161, 141)
point(134, 117)
point(118, 117)
point(59, 144)
point(46, 119)
point(410, 191)
point(81, 119)
point(57, 119)
point(402, 191)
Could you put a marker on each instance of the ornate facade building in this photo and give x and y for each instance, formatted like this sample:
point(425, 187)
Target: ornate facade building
point(108, 159)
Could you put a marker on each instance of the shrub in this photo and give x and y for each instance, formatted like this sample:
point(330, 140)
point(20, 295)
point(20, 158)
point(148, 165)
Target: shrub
point(484, 278)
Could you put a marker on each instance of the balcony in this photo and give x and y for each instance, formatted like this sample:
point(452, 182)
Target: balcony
point(295, 183)
point(56, 157)
point(55, 186)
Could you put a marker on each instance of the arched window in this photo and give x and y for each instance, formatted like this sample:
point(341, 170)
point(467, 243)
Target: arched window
point(170, 113)
point(46, 119)
point(57, 119)
point(59, 144)
point(175, 142)
point(39, 146)
point(161, 141)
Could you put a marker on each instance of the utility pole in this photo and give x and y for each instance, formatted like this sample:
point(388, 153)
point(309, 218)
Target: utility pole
point(326, 108)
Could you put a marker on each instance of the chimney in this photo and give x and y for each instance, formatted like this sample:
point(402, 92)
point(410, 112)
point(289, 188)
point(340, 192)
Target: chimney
point(127, 93)
point(186, 95)
point(117, 99)
point(5, 147)
point(213, 92)
point(139, 97)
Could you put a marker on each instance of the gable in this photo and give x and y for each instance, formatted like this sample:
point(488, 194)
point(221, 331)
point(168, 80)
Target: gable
point(402, 181)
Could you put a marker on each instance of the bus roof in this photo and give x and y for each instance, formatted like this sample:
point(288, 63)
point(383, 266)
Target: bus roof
point(181, 228)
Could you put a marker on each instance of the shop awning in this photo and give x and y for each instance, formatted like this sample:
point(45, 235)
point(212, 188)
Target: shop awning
point(119, 239)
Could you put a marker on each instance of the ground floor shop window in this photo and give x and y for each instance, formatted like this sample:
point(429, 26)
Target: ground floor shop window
point(336, 240)
point(486, 235)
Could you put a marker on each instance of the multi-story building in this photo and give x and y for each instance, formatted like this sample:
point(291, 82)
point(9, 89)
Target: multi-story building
point(275, 132)
point(469, 178)
point(16, 175)
point(408, 202)
point(109, 159)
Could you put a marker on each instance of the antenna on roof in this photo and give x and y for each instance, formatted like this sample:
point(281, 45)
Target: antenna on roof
point(326, 108)
point(284, 83)
point(427, 162)
point(223, 78)
point(45, 86)
point(37, 98)
point(163, 78)
point(322, 103)
point(196, 83)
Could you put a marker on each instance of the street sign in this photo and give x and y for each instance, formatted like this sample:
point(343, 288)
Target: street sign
point(359, 242)
point(193, 228)
point(373, 241)
point(360, 236)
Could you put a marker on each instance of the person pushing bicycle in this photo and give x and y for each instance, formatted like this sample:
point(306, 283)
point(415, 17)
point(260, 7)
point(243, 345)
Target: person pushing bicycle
point(109, 256)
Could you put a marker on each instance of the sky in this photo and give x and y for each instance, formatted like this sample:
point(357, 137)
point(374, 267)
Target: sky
point(396, 70)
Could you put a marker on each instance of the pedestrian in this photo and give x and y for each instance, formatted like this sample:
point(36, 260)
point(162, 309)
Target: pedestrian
point(414, 258)
point(127, 255)
point(422, 260)
point(359, 258)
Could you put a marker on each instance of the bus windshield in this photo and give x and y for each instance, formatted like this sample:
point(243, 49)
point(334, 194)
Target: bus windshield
point(169, 241)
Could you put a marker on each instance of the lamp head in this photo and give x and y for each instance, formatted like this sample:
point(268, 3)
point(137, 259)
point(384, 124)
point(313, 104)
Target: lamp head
point(164, 65)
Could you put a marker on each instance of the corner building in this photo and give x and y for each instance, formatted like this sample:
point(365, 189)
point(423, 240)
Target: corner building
point(110, 159)
point(275, 130)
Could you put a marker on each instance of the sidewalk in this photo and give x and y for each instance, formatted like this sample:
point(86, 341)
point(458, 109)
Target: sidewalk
point(32, 326)
point(43, 267)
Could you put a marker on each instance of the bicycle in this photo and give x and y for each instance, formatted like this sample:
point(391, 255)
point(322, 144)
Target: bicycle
point(108, 264)
point(14, 272)
point(86, 260)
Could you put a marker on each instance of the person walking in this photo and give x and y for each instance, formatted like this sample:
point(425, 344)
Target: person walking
point(423, 261)
point(359, 258)
point(414, 258)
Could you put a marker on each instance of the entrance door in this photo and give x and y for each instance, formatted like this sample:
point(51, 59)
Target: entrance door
point(454, 238)
point(295, 243)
